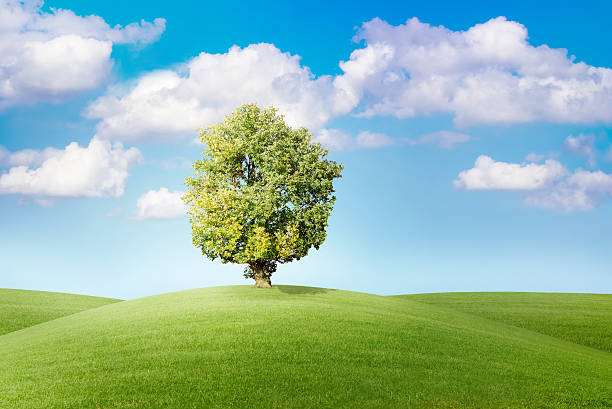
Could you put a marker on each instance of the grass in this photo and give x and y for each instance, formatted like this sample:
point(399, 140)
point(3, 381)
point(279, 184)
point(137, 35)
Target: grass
point(293, 347)
point(21, 308)
point(581, 318)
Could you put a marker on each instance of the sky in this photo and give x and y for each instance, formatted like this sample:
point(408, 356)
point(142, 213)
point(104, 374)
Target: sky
point(475, 140)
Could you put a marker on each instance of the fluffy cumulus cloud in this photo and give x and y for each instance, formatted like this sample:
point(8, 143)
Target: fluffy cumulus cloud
point(160, 204)
point(338, 140)
point(51, 55)
point(26, 157)
point(98, 170)
point(175, 103)
point(550, 185)
point(488, 174)
point(444, 139)
point(487, 74)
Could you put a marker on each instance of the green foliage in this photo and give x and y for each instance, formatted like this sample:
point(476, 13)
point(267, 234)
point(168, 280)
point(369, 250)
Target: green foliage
point(262, 193)
point(295, 347)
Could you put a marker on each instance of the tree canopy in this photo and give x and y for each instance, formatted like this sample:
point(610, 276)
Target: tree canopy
point(261, 194)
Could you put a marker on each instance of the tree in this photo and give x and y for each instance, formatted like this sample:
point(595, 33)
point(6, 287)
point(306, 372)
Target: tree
point(261, 194)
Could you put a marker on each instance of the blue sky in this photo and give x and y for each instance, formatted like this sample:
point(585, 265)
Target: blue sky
point(475, 140)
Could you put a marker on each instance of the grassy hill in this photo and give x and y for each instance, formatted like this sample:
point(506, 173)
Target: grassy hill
point(20, 308)
point(581, 318)
point(293, 347)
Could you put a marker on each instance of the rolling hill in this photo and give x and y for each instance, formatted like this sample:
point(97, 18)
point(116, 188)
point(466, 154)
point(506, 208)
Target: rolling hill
point(581, 318)
point(21, 308)
point(294, 347)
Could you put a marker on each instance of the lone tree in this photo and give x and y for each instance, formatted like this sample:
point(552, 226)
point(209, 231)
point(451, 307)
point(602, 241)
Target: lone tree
point(261, 194)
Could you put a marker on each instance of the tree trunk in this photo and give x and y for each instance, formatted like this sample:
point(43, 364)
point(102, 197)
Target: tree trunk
point(263, 282)
point(261, 276)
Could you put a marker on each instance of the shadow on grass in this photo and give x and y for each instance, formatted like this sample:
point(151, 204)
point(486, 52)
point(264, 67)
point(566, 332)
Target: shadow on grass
point(295, 289)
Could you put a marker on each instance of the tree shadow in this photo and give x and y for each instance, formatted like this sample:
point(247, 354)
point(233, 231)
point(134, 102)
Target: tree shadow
point(297, 289)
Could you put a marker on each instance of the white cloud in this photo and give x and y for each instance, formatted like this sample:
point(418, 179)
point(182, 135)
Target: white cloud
point(26, 157)
point(580, 191)
point(338, 140)
point(64, 22)
point(168, 104)
point(535, 157)
point(334, 139)
point(540, 157)
point(488, 174)
point(49, 56)
point(367, 139)
point(4, 155)
point(160, 204)
point(549, 185)
point(98, 170)
point(444, 139)
point(582, 145)
point(488, 74)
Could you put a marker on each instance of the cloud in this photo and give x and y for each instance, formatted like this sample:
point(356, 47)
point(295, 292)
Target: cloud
point(580, 191)
point(334, 139)
point(488, 174)
point(170, 104)
point(367, 139)
point(98, 170)
point(51, 56)
point(549, 185)
point(26, 157)
point(535, 157)
point(540, 157)
point(582, 145)
point(444, 139)
point(488, 74)
point(338, 140)
point(160, 204)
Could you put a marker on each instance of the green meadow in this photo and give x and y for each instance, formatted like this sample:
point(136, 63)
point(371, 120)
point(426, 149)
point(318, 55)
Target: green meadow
point(303, 347)
point(21, 308)
point(580, 318)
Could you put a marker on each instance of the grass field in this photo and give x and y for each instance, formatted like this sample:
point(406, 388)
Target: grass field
point(581, 318)
point(299, 347)
point(20, 308)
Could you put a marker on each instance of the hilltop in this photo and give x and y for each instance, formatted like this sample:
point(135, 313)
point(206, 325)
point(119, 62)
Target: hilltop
point(294, 347)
